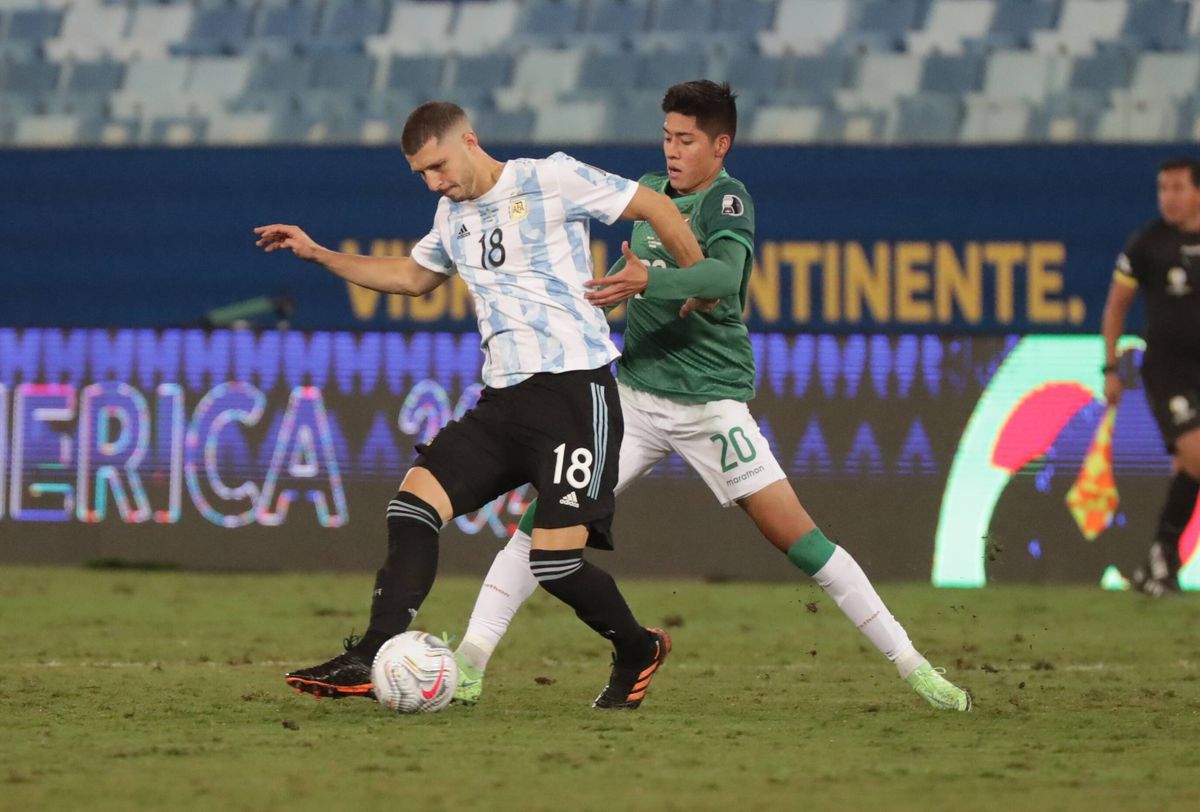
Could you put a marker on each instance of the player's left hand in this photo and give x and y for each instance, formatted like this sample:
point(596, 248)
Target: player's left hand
point(625, 284)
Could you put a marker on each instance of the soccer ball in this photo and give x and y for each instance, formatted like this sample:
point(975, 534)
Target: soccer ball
point(414, 672)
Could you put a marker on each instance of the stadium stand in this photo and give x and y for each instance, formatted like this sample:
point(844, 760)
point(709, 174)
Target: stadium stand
point(113, 72)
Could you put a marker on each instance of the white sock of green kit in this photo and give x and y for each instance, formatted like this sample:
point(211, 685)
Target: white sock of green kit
point(845, 582)
point(508, 584)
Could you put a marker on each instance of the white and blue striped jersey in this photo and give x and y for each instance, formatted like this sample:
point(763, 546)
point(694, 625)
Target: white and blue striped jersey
point(524, 251)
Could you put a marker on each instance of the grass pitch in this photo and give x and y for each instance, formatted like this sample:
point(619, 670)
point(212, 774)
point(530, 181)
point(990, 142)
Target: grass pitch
point(141, 690)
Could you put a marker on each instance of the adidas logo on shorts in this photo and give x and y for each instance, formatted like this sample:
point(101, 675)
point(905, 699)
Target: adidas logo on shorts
point(463, 231)
point(570, 500)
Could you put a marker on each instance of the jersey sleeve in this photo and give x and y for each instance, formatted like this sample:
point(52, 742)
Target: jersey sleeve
point(1130, 265)
point(726, 212)
point(590, 193)
point(430, 253)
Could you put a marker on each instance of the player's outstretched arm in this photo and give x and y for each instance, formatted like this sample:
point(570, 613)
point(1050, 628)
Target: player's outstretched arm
point(1120, 296)
point(658, 210)
point(715, 277)
point(386, 274)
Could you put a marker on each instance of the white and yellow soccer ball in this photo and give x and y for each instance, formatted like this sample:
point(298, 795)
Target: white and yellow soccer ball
point(414, 672)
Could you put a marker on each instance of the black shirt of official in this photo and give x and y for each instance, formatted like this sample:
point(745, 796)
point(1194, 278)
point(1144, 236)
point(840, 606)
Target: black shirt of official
point(1165, 263)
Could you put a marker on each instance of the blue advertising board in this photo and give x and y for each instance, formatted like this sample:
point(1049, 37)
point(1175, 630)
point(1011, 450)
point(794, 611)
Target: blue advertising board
point(903, 240)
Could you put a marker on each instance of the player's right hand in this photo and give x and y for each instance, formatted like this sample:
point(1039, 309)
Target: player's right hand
point(701, 305)
point(276, 236)
point(1113, 388)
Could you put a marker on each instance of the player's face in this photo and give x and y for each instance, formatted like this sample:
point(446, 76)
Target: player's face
point(693, 158)
point(1178, 199)
point(445, 166)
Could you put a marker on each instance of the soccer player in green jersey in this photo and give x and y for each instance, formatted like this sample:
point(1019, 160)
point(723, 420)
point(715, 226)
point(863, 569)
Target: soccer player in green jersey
point(684, 378)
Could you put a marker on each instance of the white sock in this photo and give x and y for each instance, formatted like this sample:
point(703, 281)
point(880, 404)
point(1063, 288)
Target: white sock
point(845, 582)
point(508, 584)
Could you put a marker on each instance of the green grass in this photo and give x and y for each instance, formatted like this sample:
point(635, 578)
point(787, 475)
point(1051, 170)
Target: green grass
point(139, 690)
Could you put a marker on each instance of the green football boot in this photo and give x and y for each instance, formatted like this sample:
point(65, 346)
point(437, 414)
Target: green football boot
point(470, 682)
point(938, 691)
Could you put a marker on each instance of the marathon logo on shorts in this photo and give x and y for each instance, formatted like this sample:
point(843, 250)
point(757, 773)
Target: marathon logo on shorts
point(743, 477)
point(732, 205)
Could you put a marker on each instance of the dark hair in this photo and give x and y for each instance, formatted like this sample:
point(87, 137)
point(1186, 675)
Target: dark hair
point(711, 104)
point(1183, 162)
point(432, 119)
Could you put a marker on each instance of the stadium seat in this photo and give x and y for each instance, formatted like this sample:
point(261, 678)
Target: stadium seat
point(1068, 117)
point(1081, 24)
point(221, 29)
point(1165, 75)
point(155, 88)
point(658, 71)
point(815, 79)
point(995, 120)
point(1159, 25)
point(483, 25)
point(421, 75)
point(94, 77)
point(89, 31)
point(881, 24)
point(952, 73)
point(497, 127)
point(636, 118)
point(28, 78)
point(1103, 71)
point(286, 75)
point(927, 118)
point(616, 18)
point(284, 28)
point(219, 76)
point(344, 24)
point(47, 130)
point(950, 23)
point(852, 126)
point(23, 30)
point(566, 123)
point(1024, 75)
point(345, 73)
point(601, 72)
point(785, 124)
point(882, 78)
point(475, 78)
point(757, 75)
point(1015, 22)
point(742, 20)
point(1133, 119)
point(174, 131)
point(239, 129)
point(151, 30)
point(414, 28)
point(540, 77)
point(552, 23)
point(805, 26)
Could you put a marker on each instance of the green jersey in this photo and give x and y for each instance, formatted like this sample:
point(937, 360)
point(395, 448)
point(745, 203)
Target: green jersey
point(706, 356)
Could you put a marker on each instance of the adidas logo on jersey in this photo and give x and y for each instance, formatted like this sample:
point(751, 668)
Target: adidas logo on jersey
point(570, 500)
point(463, 231)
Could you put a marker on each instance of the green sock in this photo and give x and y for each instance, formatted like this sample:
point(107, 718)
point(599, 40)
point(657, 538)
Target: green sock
point(811, 551)
point(526, 523)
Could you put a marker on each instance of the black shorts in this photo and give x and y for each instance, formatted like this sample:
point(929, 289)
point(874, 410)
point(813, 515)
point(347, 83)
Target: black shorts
point(559, 431)
point(1173, 390)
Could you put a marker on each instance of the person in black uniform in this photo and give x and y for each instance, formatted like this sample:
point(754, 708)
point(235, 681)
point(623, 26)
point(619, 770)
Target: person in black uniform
point(1163, 261)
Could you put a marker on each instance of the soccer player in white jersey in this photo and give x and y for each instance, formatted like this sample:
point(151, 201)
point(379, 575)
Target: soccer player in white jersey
point(684, 383)
point(517, 233)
